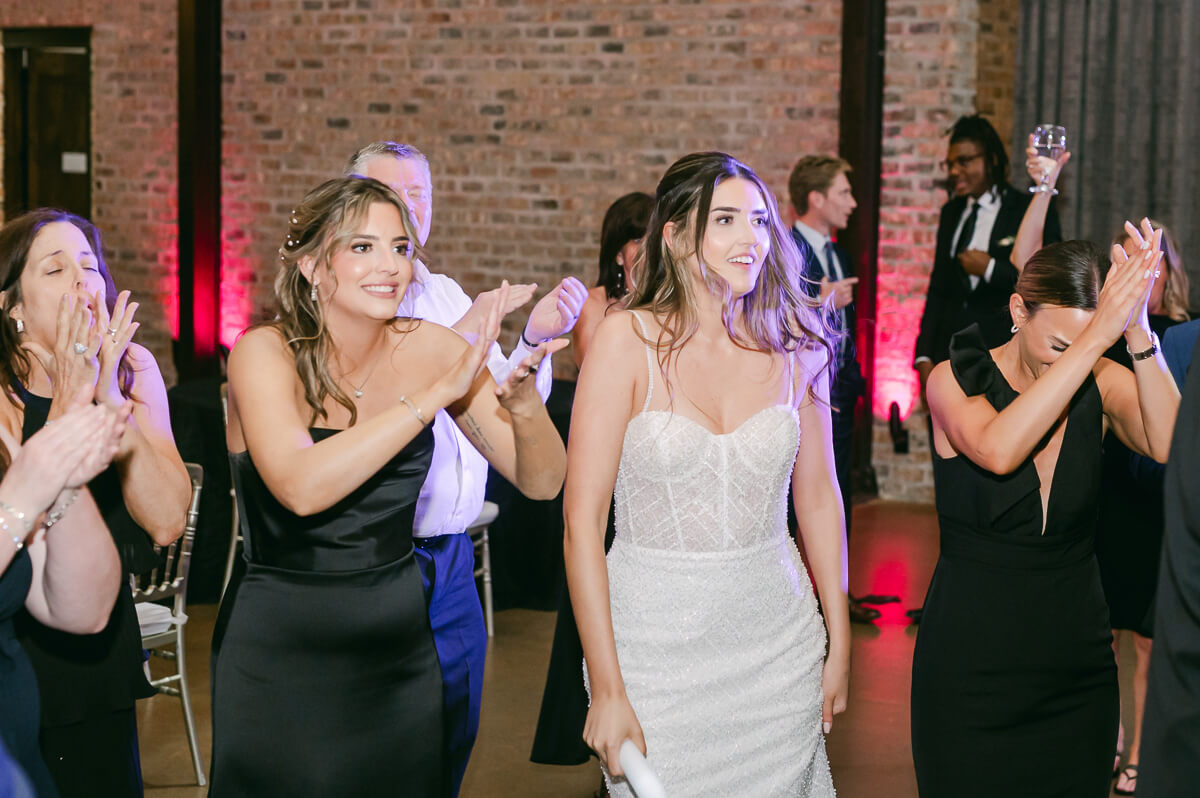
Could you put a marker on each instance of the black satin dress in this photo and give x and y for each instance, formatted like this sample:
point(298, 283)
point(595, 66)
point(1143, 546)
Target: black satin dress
point(1014, 685)
point(327, 681)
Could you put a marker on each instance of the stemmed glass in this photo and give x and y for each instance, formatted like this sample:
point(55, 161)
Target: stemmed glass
point(1050, 141)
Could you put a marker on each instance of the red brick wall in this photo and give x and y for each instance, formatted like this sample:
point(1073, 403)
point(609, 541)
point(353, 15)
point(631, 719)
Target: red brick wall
point(944, 58)
point(133, 145)
point(997, 63)
point(535, 116)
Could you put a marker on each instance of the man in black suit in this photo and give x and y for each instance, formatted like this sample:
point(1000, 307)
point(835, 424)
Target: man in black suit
point(823, 201)
point(972, 276)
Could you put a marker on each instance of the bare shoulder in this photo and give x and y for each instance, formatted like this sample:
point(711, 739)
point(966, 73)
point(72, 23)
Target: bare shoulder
point(619, 332)
point(428, 336)
point(260, 346)
point(942, 381)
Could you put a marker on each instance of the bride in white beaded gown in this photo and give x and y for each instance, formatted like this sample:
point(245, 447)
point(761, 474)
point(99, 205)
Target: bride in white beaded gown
point(701, 634)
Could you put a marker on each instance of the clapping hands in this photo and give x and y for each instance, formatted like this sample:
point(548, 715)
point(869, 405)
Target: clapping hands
point(1126, 291)
point(64, 455)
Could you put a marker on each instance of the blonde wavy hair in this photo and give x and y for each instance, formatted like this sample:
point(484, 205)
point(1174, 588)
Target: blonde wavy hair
point(319, 227)
point(777, 315)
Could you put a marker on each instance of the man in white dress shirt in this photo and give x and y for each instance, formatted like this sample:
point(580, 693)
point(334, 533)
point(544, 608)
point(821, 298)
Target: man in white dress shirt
point(452, 495)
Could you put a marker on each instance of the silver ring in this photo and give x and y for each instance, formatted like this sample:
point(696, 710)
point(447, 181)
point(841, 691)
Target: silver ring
point(80, 349)
point(112, 331)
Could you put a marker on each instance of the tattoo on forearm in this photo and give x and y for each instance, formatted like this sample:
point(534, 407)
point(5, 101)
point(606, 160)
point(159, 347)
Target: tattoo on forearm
point(475, 433)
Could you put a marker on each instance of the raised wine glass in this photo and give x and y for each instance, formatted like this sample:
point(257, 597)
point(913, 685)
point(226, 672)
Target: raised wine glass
point(1050, 141)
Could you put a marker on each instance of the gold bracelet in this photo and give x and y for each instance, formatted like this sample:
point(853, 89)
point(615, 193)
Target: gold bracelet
point(415, 411)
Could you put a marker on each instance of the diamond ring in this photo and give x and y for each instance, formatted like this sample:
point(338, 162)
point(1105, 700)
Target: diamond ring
point(80, 349)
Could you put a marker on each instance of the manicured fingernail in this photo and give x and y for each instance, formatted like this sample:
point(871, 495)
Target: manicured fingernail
point(1147, 274)
point(828, 727)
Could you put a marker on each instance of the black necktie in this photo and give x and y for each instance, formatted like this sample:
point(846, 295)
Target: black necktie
point(834, 273)
point(968, 230)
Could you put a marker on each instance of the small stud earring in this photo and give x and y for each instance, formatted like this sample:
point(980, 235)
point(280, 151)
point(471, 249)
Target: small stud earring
point(20, 326)
point(313, 293)
point(1014, 329)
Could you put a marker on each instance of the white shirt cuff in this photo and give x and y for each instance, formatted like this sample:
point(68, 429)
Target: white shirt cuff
point(987, 273)
point(545, 373)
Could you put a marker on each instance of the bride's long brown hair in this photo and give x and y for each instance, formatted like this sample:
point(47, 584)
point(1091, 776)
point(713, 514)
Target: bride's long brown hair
point(777, 315)
point(317, 228)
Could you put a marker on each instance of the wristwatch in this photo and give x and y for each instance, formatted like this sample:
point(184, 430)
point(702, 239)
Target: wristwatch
point(1147, 353)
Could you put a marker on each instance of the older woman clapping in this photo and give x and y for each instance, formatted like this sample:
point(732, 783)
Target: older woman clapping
point(64, 331)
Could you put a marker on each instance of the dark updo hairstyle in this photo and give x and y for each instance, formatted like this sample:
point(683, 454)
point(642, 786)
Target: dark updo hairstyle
point(624, 221)
point(977, 129)
point(1066, 274)
point(16, 239)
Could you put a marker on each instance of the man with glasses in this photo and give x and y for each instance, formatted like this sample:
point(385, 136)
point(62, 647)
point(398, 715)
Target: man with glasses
point(972, 276)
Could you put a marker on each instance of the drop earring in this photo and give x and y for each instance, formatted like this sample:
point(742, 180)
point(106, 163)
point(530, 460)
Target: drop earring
point(20, 327)
point(313, 293)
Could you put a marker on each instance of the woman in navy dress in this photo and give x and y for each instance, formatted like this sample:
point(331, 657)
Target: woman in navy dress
point(327, 681)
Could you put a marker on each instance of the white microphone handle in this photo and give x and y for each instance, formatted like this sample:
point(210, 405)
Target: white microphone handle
point(641, 778)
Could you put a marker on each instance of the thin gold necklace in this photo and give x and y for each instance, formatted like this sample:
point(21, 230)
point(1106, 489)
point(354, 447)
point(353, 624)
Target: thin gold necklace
point(358, 390)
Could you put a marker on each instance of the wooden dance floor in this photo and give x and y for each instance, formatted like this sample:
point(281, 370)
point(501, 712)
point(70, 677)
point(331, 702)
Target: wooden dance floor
point(893, 550)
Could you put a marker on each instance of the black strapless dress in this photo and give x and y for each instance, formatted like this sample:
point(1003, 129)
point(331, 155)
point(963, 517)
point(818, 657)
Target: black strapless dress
point(327, 681)
point(1014, 685)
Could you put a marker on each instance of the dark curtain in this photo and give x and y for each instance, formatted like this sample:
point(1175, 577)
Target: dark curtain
point(1123, 76)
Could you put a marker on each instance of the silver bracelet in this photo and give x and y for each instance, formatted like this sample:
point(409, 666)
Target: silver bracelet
point(17, 514)
point(55, 514)
point(415, 411)
point(18, 542)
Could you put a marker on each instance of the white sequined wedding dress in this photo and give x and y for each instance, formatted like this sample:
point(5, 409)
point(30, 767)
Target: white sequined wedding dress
point(717, 631)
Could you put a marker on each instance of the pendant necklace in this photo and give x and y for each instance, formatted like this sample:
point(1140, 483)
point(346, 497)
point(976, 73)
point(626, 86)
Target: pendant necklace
point(358, 390)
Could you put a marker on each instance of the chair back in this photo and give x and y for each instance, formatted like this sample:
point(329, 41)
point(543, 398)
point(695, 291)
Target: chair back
point(169, 577)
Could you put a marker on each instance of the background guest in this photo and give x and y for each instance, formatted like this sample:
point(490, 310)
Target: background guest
point(822, 201)
point(620, 238)
point(559, 736)
point(64, 330)
point(1130, 528)
point(972, 275)
point(1170, 762)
